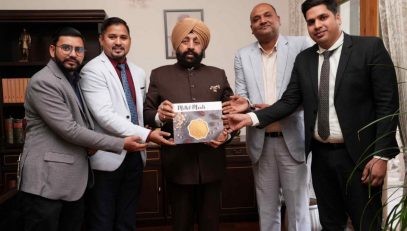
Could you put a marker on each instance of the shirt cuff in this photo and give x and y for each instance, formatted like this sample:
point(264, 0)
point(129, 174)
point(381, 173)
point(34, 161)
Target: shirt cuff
point(381, 158)
point(254, 119)
point(158, 122)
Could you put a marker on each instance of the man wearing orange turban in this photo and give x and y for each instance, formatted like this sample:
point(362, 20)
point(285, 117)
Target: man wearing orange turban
point(193, 172)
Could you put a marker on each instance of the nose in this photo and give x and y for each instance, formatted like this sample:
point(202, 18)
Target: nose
point(73, 53)
point(191, 45)
point(262, 20)
point(318, 24)
point(117, 41)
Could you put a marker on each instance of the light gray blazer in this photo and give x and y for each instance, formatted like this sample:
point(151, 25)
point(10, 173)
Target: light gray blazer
point(107, 103)
point(54, 162)
point(249, 84)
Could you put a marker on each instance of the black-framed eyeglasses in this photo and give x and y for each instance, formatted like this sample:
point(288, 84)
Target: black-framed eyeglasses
point(67, 49)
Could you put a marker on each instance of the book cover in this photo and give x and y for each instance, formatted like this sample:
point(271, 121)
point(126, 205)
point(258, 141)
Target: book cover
point(197, 122)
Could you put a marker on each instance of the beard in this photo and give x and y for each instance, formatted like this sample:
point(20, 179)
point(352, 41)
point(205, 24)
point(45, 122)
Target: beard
point(188, 62)
point(64, 66)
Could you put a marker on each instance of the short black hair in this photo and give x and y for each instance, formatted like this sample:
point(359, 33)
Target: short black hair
point(113, 21)
point(330, 4)
point(66, 31)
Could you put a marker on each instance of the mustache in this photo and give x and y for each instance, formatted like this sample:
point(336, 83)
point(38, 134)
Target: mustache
point(72, 60)
point(118, 47)
point(190, 52)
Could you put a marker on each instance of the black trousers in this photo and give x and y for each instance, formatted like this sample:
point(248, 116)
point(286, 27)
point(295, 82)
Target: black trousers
point(331, 169)
point(112, 202)
point(190, 202)
point(42, 214)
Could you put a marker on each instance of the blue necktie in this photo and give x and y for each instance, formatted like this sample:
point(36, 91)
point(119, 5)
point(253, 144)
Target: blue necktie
point(127, 92)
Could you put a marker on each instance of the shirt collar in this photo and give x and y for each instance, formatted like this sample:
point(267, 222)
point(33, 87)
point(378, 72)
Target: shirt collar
point(265, 52)
point(337, 44)
point(115, 62)
point(72, 78)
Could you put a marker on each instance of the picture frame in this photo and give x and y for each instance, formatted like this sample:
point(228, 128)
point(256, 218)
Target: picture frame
point(170, 19)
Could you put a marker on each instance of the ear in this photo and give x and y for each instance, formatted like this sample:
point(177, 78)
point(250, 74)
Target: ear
point(338, 18)
point(52, 49)
point(100, 39)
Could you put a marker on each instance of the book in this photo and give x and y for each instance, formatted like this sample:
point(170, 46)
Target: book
point(18, 131)
point(197, 122)
point(8, 125)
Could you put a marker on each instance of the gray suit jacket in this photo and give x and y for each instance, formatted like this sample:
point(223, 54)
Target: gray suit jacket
point(249, 84)
point(54, 163)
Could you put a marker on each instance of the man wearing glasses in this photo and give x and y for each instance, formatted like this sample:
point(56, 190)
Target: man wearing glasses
point(54, 172)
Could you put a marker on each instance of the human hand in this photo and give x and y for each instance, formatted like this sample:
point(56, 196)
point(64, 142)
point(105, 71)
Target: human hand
point(374, 172)
point(223, 136)
point(235, 122)
point(133, 144)
point(236, 104)
point(157, 136)
point(165, 111)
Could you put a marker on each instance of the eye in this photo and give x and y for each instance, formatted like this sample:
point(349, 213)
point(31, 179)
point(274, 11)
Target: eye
point(255, 19)
point(112, 36)
point(323, 17)
point(310, 22)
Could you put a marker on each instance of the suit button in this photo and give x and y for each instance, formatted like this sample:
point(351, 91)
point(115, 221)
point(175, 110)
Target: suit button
point(193, 99)
point(192, 86)
point(127, 117)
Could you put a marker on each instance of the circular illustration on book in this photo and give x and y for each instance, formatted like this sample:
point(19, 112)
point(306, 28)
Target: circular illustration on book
point(198, 129)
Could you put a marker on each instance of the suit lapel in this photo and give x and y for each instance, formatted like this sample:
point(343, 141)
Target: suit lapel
point(139, 96)
point(257, 67)
point(114, 78)
point(60, 75)
point(313, 69)
point(282, 55)
point(343, 61)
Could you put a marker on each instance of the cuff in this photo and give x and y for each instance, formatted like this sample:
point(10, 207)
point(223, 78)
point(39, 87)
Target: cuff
point(381, 158)
point(148, 137)
point(158, 122)
point(254, 119)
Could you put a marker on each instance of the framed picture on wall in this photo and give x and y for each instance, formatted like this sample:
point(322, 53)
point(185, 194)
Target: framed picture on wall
point(171, 17)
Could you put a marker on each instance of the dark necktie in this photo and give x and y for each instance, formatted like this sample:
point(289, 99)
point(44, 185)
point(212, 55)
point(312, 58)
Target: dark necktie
point(127, 92)
point(323, 107)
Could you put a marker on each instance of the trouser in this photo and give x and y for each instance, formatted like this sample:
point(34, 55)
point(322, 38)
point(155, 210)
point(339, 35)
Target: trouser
point(276, 173)
point(195, 201)
point(112, 201)
point(337, 199)
point(42, 214)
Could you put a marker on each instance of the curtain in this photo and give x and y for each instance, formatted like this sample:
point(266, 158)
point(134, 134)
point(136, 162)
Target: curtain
point(297, 24)
point(393, 24)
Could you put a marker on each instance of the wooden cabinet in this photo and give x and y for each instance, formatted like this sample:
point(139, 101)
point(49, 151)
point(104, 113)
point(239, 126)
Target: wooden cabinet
point(41, 25)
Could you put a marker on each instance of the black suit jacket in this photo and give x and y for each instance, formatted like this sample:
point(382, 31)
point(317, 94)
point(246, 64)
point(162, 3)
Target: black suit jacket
point(365, 91)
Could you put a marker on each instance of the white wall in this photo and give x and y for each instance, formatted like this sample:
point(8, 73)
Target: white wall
point(228, 21)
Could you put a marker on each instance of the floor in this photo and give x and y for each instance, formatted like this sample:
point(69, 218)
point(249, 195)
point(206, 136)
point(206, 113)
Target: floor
point(237, 226)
